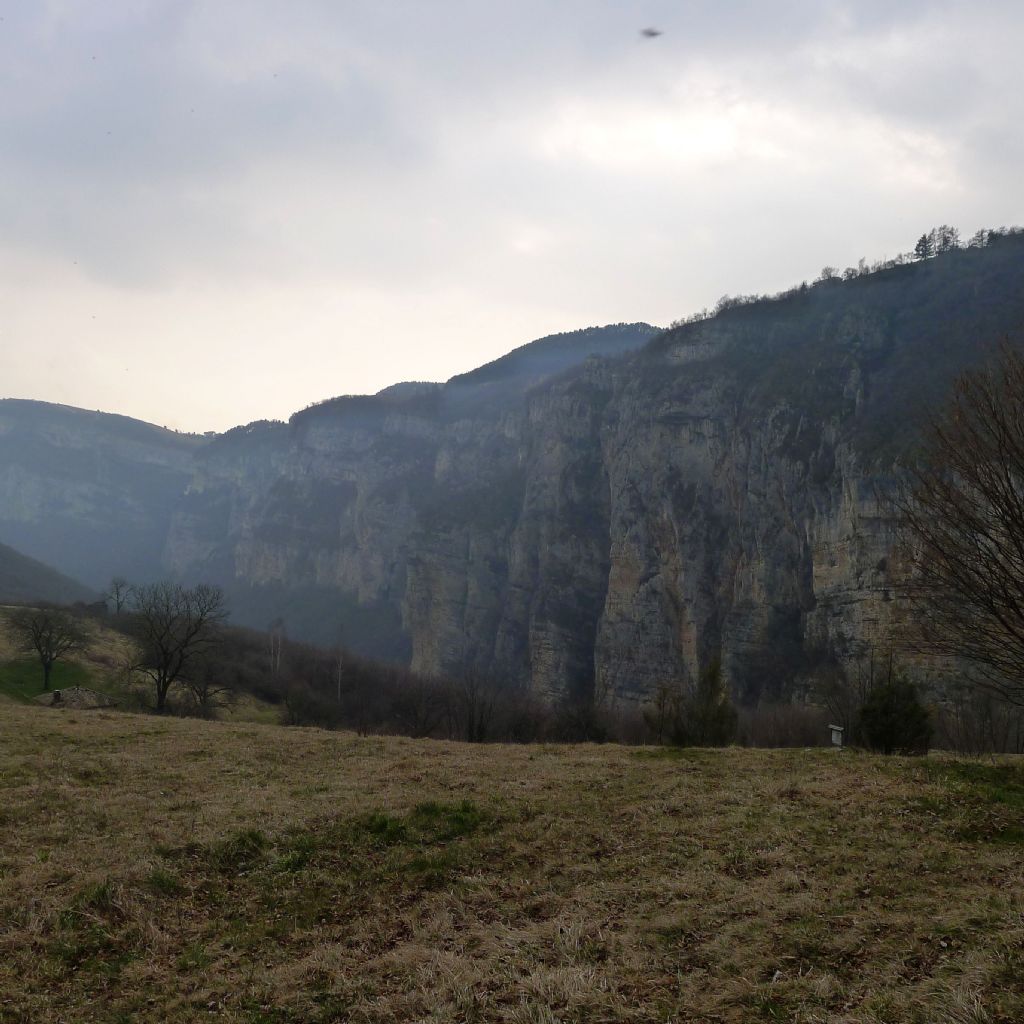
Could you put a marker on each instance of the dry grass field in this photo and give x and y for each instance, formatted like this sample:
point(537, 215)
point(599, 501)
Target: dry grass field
point(172, 870)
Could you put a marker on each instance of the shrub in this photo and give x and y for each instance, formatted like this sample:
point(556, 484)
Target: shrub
point(893, 719)
point(712, 715)
point(701, 717)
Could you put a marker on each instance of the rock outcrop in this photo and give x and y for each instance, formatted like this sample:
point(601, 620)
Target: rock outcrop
point(598, 527)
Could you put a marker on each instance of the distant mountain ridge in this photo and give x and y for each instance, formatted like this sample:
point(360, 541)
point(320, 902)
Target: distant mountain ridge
point(99, 493)
point(546, 357)
point(91, 493)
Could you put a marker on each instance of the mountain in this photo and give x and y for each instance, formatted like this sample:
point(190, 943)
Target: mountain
point(591, 526)
point(24, 580)
point(91, 492)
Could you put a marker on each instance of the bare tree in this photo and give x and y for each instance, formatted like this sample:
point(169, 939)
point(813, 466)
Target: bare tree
point(664, 712)
point(50, 633)
point(471, 706)
point(843, 691)
point(963, 516)
point(175, 627)
point(975, 722)
point(118, 593)
point(417, 705)
point(206, 682)
point(339, 660)
point(277, 635)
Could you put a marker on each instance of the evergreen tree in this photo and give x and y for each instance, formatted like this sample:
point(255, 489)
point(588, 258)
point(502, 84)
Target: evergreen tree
point(946, 238)
point(893, 719)
point(925, 248)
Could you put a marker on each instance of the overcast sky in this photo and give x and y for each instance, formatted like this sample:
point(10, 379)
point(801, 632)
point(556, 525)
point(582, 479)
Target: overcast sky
point(213, 212)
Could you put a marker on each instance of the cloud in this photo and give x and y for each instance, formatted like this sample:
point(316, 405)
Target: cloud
point(477, 172)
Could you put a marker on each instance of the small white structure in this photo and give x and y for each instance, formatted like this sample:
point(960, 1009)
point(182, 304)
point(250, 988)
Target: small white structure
point(837, 735)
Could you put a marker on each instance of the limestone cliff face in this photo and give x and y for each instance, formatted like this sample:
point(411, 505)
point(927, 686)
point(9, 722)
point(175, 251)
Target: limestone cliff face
point(598, 527)
point(388, 519)
point(612, 529)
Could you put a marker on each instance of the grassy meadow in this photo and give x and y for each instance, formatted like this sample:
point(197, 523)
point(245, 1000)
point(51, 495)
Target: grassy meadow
point(178, 870)
point(102, 667)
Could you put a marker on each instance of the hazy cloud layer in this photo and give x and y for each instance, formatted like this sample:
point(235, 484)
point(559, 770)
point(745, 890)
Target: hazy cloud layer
point(215, 211)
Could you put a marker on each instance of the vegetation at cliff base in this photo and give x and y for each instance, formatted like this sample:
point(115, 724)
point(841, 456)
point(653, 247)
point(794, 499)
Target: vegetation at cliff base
point(179, 870)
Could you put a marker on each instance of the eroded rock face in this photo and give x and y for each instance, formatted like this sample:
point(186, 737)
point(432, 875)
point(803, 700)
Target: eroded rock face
point(611, 532)
point(606, 527)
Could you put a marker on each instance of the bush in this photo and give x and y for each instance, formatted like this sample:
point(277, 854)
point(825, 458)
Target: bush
point(712, 715)
point(701, 717)
point(893, 720)
point(772, 724)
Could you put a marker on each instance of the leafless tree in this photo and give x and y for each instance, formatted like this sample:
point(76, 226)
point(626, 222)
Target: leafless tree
point(974, 722)
point(277, 635)
point(118, 594)
point(206, 682)
point(417, 705)
point(963, 517)
point(843, 691)
point(175, 626)
point(50, 633)
point(471, 706)
point(665, 711)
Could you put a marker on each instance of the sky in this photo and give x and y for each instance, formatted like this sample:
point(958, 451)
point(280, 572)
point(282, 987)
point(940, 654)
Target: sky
point(213, 211)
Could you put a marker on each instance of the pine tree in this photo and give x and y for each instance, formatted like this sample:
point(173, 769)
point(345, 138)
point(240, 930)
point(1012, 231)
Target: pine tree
point(925, 248)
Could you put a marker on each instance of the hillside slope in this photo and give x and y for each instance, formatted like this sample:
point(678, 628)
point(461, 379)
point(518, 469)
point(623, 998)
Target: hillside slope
point(24, 580)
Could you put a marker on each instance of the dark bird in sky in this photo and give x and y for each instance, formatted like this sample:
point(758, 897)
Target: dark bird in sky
point(651, 33)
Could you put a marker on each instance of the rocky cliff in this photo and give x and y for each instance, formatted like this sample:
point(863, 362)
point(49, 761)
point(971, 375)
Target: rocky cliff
point(607, 525)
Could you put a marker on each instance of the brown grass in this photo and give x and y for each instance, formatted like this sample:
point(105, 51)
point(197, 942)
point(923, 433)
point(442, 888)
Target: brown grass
point(162, 869)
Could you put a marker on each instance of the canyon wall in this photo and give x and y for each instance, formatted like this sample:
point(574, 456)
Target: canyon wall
point(581, 526)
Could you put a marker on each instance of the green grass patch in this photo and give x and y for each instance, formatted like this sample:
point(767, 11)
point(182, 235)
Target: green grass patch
point(22, 679)
point(92, 934)
point(432, 870)
point(990, 797)
point(95, 902)
point(383, 829)
point(194, 957)
point(164, 883)
point(425, 823)
point(296, 852)
point(444, 822)
point(239, 852)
